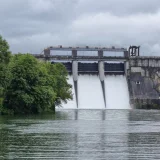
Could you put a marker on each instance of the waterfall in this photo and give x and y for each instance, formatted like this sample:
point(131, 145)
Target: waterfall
point(90, 94)
point(117, 95)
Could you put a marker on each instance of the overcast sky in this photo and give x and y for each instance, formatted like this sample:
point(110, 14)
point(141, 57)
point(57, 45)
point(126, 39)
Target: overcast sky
point(32, 25)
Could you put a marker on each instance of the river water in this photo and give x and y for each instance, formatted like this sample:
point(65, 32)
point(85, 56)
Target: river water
point(82, 135)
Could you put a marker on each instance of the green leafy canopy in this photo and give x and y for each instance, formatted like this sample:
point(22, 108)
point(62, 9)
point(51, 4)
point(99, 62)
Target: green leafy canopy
point(29, 86)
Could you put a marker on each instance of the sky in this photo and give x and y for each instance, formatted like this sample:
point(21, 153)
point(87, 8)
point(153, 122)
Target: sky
point(32, 25)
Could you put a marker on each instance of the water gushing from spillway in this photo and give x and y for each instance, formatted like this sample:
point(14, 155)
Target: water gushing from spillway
point(117, 95)
point(90, 93)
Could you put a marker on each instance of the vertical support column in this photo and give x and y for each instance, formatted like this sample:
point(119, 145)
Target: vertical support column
point(101, 77)
point(75, 70)
point(74, 53)
point(138, 50)
point(101, 70)
point(75, 78)
point(100, 53)
point(126, 67)
point(47, 52)
point(129, 51)
point(126, 54)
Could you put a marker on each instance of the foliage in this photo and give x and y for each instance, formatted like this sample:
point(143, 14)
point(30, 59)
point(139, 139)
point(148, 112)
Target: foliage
point(28, 91)
point(35, 86)
point(5, 54)
point(28, 85)
point(5, 57)
point(61, 86)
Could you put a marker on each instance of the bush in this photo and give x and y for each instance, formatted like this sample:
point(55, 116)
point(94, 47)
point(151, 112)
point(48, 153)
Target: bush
point(35, 86)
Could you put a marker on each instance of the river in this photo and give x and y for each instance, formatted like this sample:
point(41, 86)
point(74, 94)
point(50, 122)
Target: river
point(82, 135)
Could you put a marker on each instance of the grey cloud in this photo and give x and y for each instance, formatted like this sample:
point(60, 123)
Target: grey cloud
point(31, 25)
point(34, 17)
point(119, 7)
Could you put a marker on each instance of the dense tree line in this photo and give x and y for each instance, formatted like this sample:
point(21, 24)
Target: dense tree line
point(28, 85)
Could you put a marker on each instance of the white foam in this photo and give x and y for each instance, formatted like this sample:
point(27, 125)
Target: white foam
point(117, 95)
point(90, 93)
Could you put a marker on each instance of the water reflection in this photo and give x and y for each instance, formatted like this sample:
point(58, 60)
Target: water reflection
point(82, 134)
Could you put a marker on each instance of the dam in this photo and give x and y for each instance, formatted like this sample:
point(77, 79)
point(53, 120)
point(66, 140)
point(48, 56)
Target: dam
point(107, 78)
point(92, 81)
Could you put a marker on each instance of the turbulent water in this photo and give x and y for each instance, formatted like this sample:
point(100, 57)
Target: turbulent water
point(90, 94)
point(117, 95)
point(82, 135)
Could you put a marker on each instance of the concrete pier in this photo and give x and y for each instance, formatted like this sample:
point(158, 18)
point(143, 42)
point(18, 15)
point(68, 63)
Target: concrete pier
point(75, 78)
point(101, 70)
point(75, 70)
point(126, 67)
point(101, 77)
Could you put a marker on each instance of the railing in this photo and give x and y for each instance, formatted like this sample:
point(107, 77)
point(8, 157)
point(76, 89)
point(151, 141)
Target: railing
point(112, 49)
point(80, 57)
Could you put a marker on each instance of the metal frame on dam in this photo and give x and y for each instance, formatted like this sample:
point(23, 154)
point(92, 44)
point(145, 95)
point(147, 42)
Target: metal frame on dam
point(142, 73)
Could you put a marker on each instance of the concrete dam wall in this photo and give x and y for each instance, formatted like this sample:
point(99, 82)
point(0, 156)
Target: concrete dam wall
point(144, 82)
point(101, 83)
point(96, 85)
point(101, 75)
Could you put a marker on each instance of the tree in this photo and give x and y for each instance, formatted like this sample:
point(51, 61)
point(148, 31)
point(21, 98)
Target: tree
point(28, 91)
point(35, 86)
point(61, 86)
point(5, 56)
point(28, 85)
